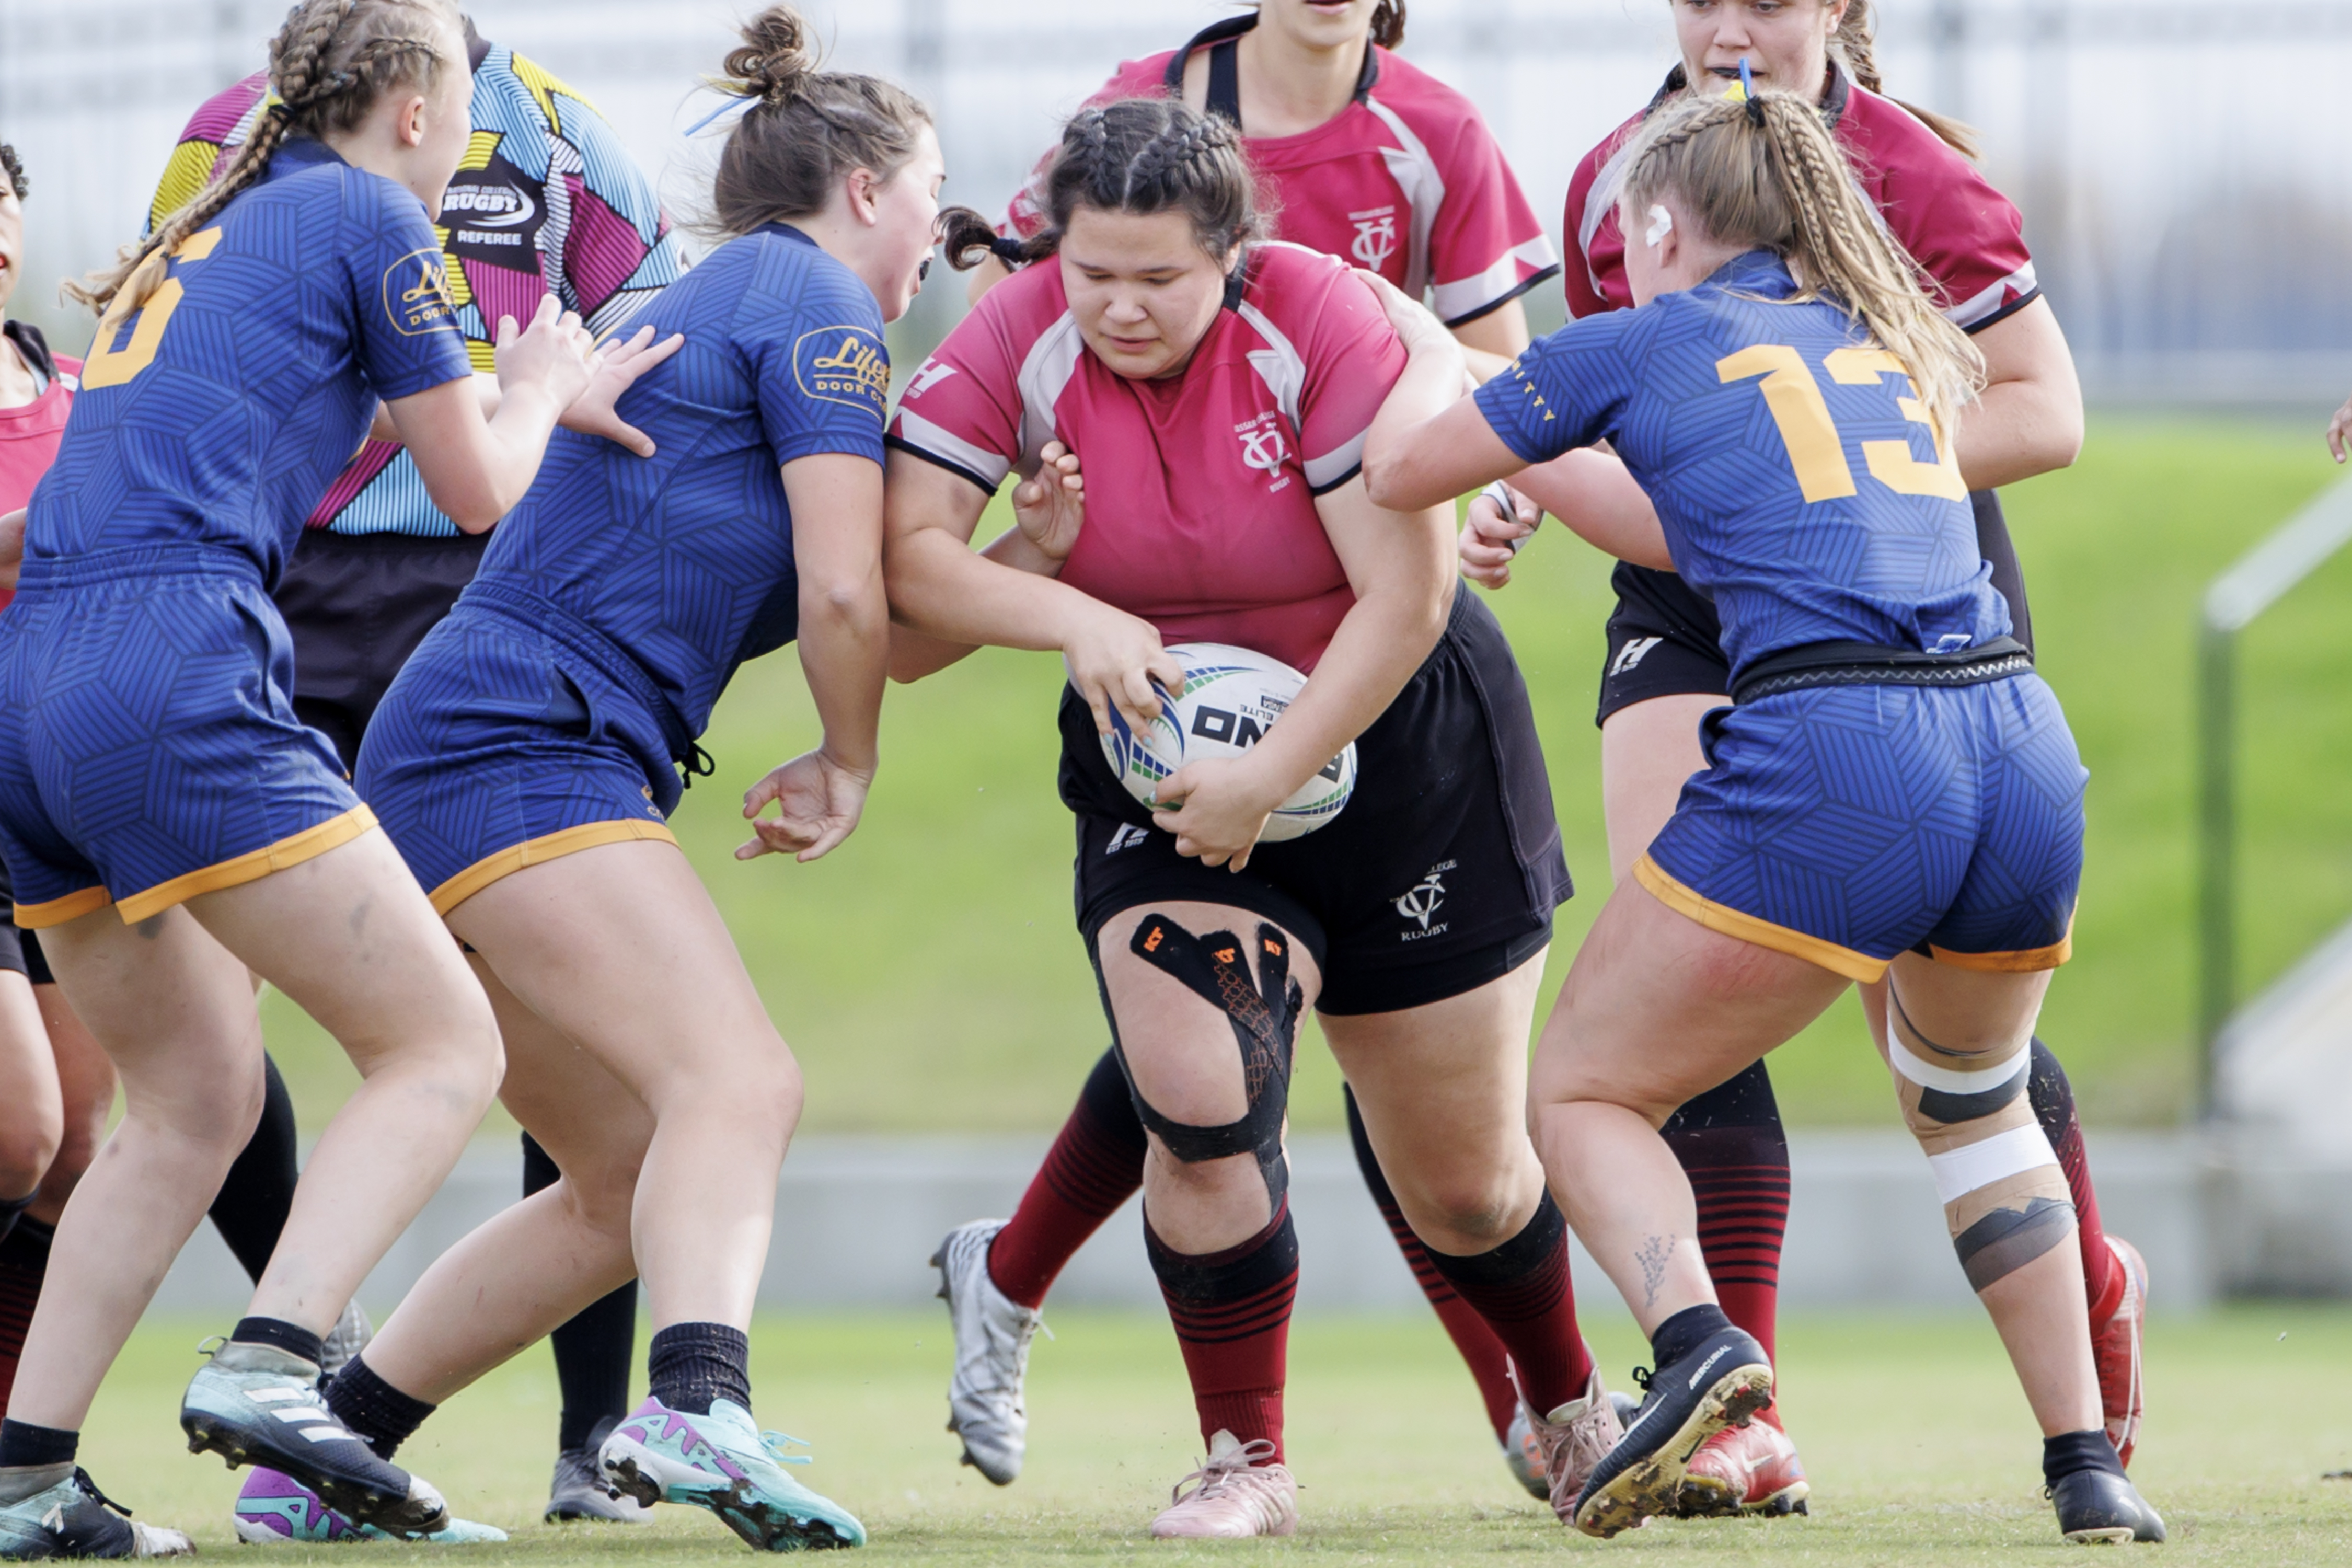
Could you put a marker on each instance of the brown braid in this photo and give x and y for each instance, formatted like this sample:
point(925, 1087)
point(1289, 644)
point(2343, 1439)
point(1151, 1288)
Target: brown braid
point(1784, 186)
point(330, 65)
point(1854, 44)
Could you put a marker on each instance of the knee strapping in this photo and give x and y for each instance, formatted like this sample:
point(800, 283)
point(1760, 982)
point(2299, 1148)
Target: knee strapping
point(2005, 1197)
point(1263, 1011)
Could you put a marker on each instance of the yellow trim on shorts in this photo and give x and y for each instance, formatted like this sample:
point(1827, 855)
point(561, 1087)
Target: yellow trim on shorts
point(57, 911)
point(538, 852)
point(251, 866)
point(1733, 922)
point(2024, 961)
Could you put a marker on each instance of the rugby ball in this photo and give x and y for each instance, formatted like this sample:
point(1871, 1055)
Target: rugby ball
point(1232, 697)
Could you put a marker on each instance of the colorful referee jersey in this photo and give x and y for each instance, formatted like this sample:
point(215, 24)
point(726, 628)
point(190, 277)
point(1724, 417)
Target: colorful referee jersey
point(547, 712)
point(149, 749)
point(1406, 180)
point(1966, 235)
point(1789, 464)
point(547, 202)
point(1200, 488)
point(1802, 492)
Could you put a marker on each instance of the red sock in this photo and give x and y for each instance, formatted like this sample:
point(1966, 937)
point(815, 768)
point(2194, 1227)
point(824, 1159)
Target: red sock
point(1231, 1310)
point(1489, 1362)
point(1731, 1145)
point(1097, 1160)
point(24, 1263)
point(2054, 1107)
point(1522, 1290)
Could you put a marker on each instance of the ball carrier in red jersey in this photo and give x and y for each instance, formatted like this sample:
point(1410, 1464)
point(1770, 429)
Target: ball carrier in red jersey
point(1217, 389)
point(548, 201)
point(1375, 162)
point(1665, 669)
point(143, 589)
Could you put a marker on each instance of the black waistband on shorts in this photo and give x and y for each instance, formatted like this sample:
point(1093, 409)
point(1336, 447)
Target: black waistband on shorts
point(134, 562)
point(544, 615)
point(1868, 663)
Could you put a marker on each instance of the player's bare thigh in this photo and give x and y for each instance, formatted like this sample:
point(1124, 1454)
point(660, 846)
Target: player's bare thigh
point(1647, 750)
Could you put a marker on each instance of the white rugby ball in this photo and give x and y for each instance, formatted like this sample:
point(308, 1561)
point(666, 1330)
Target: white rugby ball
point(1232, 697)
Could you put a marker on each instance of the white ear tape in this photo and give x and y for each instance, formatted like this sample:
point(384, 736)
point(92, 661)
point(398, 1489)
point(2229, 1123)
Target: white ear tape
point(1662, 224)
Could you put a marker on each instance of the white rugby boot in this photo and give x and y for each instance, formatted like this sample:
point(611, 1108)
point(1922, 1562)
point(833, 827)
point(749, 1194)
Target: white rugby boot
point(1233, 1495)
point(991, 1353)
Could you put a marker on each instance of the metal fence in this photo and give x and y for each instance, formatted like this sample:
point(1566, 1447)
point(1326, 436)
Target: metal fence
point(2177, 161)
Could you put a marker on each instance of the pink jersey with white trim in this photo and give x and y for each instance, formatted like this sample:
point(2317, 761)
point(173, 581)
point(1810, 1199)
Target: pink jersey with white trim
point(1200, 488)
point(1966, 235)
point(1406, 182)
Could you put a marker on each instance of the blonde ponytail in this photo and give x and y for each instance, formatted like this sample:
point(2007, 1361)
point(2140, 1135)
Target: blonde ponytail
point(328, 65)
point(1767, 174)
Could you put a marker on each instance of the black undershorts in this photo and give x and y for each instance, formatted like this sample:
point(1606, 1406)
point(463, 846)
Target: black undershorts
point(1439, 875)
point(1667, 641)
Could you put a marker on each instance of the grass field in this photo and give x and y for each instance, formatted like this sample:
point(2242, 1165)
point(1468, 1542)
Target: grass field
point(1388, 1440)
point(928, 975)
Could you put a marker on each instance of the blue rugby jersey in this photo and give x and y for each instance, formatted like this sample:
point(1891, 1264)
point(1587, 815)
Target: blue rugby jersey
point(685, 560)
point(220, 411)
point(1788, 459)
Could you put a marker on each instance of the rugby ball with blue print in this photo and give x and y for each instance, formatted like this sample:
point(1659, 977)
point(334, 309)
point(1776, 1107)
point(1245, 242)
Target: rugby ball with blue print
point(1232, 697)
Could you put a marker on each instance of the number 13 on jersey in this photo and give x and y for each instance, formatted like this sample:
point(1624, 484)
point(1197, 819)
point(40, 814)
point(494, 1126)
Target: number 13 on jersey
point(1794, 399)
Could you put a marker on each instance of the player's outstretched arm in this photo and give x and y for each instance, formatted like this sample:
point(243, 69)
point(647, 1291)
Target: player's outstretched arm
point(2337, 429)
point(476, 470)
point(1047, 512)
point(1429, 443)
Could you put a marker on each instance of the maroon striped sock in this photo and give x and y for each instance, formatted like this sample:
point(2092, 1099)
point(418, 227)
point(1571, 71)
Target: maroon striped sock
point(24, 1263)
point(1097, 1160)
point(1231, 1310)
point(2054, 1107)
point(1732, 1146)
point(1522, 1290)
point(1489, 1362)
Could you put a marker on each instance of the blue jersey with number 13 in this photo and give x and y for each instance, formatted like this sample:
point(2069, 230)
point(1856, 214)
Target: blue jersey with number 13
point(1788, 457)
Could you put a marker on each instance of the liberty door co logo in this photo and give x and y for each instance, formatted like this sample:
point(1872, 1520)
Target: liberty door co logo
point(1420, 902)
point(844, 365)
point(416, 294)
point(1375, 235)
point(1263, 448)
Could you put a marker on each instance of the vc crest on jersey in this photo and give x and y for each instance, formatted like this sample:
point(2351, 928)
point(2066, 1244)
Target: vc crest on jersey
point(416, 293)
point(844, 365)
point(1375, 235)
point(1264, 448)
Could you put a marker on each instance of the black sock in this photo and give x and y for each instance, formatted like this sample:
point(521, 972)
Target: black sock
point(291, 1338)
point(257, 1194)
point(691, 1364)
point(594, 1348)
point(378, 1414)
point(2071, 1451)
point(11, 1207)
point(1684, 1332)
point(23, 1444)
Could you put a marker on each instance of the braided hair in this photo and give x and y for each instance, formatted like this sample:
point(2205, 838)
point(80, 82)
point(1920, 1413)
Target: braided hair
point(1853, 46)
point(330, 65)
point(806, 130)
point(1139, 155)
point(1765, 174)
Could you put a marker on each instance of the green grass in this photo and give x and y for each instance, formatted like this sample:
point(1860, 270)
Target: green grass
point(1918, 1444)
point(928, 975)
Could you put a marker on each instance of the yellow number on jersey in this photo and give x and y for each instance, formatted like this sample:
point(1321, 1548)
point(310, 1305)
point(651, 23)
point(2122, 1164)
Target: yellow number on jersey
point(1891, 462)
point(111, 366)
point(1795, 400)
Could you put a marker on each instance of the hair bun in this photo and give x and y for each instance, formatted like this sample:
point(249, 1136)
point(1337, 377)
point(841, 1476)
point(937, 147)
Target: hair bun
point(777, 56)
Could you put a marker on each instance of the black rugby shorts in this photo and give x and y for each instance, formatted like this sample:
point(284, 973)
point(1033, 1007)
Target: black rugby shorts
point(1440, 874)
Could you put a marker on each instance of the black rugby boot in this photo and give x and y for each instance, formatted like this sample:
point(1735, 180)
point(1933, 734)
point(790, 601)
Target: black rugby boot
point(2099, 1508)
point(1719, 1376)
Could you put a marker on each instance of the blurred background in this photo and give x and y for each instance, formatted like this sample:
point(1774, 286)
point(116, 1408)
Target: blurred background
point(2179, 165)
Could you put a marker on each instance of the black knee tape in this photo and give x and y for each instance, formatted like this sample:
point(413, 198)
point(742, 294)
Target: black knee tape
point(2006, 1240)
point(1264, 1012)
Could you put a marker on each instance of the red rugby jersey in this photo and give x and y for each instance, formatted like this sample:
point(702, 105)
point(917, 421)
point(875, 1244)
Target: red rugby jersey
point(1405, 182)
point(29, 435)
point(1200, 488)
point(1966, 235)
